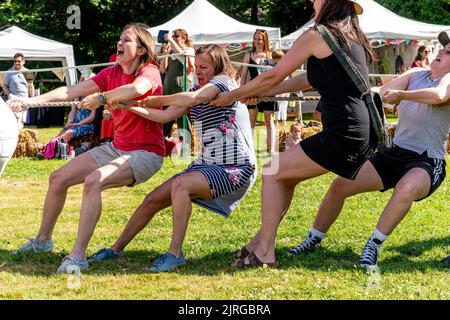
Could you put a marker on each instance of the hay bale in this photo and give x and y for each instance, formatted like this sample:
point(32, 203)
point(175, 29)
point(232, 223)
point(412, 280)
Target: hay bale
point(284, 133)
point(27, 145)
point(310, 131)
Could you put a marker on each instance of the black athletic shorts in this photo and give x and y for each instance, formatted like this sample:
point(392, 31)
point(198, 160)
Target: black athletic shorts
point(343, 156)
point(392, 163)
point(264, 106)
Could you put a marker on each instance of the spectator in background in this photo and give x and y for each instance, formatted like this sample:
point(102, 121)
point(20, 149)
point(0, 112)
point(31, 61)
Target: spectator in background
point(177, 42)
point(260, 55)
point(421, 60)
point(16, 85)
point(317, 115)
point(282, 106)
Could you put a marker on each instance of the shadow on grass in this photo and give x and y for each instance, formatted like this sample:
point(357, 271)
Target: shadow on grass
point(218, 262)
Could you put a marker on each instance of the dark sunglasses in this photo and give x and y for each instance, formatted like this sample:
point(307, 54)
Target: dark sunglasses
point(261, 30)
point(176, 36)
point(17, 61)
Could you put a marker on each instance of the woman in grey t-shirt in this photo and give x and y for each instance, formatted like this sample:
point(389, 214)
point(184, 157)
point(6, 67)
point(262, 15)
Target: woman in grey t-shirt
point(414, 166)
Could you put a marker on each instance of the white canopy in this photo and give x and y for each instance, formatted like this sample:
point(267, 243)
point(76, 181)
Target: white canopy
point(14, 40)
point(206, 24)
point(379, 23)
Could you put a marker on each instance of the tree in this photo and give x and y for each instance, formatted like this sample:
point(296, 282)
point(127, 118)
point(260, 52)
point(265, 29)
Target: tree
point(429, 11)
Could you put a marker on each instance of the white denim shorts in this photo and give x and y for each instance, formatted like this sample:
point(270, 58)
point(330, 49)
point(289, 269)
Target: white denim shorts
point(7, 148)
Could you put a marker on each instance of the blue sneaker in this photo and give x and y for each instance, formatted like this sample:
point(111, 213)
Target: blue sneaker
point(71, 265)
point(167, 262)
point(35, 246)
point(105, 254)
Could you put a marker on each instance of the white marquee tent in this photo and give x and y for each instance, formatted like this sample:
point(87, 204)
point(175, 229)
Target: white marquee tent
point(206, 24)
point(378, 23)
point(14, 40)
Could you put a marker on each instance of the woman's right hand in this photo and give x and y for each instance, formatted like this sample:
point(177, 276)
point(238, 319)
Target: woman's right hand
point(16, 104)
point(107, 115)
point(165, 49)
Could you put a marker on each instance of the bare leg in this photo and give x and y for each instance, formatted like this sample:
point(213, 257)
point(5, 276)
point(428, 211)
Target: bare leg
point(367, 180)
point(70, 174)
point(268, 120)
point(68, 135)
point(118, 173)
point(184, 188)
point(414, 185)
point(154, 202)
point(253, 113)
point(294, 167)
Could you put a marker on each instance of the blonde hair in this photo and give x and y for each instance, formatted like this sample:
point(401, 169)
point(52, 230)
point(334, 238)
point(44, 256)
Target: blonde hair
point(145, 41)
point(294, 125)
point(220, 60)
point(277, 54)
point(183, 33)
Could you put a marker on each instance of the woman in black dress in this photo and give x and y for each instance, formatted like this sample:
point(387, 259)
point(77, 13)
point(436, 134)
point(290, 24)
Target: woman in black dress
point(344, 144)
point(260, 55)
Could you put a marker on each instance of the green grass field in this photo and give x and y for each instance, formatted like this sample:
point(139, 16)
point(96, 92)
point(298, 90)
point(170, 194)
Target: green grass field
point(410, 267)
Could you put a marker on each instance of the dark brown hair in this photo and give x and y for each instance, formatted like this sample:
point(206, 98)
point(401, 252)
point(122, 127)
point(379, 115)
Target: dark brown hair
point(220, 60)
point(340, 17)
point(19, 55)
point(419, 51)
point(145, 41)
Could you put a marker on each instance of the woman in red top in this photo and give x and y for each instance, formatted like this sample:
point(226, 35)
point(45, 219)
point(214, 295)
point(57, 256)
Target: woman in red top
point(135, 154)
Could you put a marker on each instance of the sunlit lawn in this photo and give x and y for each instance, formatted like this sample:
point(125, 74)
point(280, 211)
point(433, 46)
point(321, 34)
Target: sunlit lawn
point(410, 267)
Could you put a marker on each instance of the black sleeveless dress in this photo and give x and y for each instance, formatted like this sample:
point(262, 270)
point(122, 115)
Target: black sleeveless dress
point(344, 144)
point(262, 106)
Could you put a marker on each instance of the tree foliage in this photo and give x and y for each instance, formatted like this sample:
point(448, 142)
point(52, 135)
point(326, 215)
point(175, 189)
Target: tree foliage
point(430, 11)
point(102, 20)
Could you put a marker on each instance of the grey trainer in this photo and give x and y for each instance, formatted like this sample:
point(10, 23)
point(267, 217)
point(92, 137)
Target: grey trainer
point(35, 246)
point(71, 265)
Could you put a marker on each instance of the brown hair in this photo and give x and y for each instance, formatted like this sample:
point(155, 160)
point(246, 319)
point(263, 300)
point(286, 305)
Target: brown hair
point(419, 51)
point(183, 33)
point(219, 58)
point(19, 55)
point(265, 41)
point(145, 41)
point(340, 17)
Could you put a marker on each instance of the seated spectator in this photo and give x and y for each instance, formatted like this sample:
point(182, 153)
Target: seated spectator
point(79, 124)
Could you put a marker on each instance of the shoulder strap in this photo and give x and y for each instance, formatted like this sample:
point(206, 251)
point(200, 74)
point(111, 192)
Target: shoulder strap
point(345, 61)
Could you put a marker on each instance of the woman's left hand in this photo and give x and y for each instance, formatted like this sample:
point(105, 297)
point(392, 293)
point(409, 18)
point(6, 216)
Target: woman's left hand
point(391, 96)
point(90, 102)
point(223, 99)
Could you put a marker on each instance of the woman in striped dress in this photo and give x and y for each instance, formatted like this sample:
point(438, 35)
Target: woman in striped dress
point(218, 178)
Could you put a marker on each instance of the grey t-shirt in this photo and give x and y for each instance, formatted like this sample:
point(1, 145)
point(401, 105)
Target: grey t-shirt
point(17, 84)
point(423, 127)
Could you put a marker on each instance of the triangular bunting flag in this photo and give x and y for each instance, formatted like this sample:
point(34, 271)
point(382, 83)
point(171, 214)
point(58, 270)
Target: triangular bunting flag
point(60, 74)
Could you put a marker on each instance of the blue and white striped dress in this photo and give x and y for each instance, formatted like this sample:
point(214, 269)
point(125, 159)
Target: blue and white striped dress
point(227, 159)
